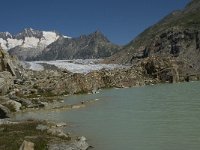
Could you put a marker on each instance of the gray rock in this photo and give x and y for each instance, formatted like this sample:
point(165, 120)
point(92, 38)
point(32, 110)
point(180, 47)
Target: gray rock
point(60, 146)
point(4, 112)
point(25, 102)
point(27, 146)
point(57, 132)
point(42, 127)
point(6, 82)
point(6, 121)
point(16, 105)
point(45, 104)
point(79, 144)
point(6, 62)
point(3, 87)
point(61, 124)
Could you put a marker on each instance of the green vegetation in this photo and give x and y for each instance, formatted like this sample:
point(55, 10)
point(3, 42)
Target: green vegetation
point(12, 136)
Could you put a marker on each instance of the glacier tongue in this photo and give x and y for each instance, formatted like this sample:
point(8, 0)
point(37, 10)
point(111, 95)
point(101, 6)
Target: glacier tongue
point(77, 66)
point(34, 66)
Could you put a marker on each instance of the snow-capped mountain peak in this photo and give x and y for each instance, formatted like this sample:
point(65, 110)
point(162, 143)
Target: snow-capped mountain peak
point(29, 42)
point(5, 35)
point(48, 37)
point(28, 38)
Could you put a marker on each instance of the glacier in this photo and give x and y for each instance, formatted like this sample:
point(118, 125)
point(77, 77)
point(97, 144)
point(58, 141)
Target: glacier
point(74, 66)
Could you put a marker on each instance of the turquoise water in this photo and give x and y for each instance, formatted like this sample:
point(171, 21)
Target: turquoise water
point(159, 117)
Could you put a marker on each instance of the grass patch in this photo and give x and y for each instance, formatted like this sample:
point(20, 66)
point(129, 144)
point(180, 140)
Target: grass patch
point(12, 136)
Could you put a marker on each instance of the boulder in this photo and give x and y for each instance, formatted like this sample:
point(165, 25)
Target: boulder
point(57, 132)
point(79, 144)
point(25, 102)
point(27, 146)
point(61, 124)
point(60, 146)
point(42, 127)
point(4, 112)
point(15, 105)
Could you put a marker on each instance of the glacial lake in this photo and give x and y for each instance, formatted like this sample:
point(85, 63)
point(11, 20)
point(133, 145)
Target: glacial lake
point(158, 117)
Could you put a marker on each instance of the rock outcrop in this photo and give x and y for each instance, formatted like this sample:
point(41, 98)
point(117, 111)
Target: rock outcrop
point(79, 144)
point(6, 82)
point(162, 69)
point(7, 72)
point(52, 82)
point(27, 145)
point(6, 62)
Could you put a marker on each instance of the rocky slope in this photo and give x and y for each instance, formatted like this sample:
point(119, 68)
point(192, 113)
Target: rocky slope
point(7, 71)
point(27, 43)
point(94, 45)
point(176, 37)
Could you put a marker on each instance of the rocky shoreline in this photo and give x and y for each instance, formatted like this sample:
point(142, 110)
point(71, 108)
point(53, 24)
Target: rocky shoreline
point(34, 134)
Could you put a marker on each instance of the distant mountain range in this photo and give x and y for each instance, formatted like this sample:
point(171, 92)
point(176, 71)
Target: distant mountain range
point(33, 44)
point(28, 43)
point(94, 45)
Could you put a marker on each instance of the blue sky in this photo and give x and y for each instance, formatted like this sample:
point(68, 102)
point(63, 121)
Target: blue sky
point(119, 20)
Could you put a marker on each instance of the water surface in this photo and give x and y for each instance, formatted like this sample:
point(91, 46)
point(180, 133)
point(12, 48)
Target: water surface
point(159, 117)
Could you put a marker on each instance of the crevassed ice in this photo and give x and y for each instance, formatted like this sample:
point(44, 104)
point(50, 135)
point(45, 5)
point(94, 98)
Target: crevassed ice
point(36, 67)
point(83, 66)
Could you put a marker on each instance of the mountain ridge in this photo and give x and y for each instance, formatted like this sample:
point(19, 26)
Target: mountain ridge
point(28, 43)
point(94, 45)
point(154, 40)
point(32, 44)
